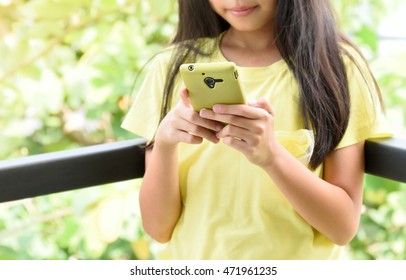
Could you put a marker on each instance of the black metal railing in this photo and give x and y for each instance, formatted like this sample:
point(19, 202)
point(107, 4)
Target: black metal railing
point(114, 162)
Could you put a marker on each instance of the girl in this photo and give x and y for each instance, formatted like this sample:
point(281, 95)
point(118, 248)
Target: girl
point(283, 179)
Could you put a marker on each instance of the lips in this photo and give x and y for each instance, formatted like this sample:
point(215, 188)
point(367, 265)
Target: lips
point(242, 11)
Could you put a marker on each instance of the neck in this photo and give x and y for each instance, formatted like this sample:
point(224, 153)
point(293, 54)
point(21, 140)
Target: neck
point(250, 48)
point(253, 41)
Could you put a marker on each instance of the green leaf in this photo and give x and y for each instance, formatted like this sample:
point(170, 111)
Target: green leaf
point(162, 8)
point(52, 9)
point(367, 35)
point(7, 253)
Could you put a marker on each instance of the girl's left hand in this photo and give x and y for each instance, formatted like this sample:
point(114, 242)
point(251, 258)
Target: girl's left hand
point(249, 129)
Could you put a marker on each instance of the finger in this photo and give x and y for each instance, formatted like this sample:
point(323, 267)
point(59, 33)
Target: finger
point(263, 104)
point(189, 138)
point(249, 112)
point(195, 118)
point(196, 130)
point(232, 131)
point(172, 131)
point(235, 143)
point(225, 118)
point(237, 110)
point(192, 116)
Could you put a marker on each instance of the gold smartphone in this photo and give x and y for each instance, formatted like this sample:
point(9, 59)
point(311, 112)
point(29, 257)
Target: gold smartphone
point(212, 83)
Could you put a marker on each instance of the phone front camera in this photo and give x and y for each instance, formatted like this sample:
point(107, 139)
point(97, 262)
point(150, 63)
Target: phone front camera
point(191, 68)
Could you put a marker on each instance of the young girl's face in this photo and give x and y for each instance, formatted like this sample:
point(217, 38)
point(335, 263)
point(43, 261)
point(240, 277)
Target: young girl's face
point(246, 15)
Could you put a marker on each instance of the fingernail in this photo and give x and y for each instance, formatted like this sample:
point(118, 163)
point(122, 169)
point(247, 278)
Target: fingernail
point(216, 108)
point(253, 102)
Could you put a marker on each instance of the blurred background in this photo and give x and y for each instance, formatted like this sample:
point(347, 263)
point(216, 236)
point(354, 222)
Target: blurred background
point(67, 71)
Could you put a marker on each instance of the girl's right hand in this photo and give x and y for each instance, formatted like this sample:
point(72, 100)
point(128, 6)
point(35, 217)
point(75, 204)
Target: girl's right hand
point(183, 124)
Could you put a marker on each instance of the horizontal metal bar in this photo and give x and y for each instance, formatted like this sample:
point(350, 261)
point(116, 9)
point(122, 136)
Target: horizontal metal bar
point(386, 158)
point(114, 162)
point(71, 169)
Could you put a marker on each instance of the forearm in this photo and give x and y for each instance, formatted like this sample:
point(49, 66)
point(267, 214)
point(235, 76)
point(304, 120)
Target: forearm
point(331, 205)
point(327, 207)
point(160, 200)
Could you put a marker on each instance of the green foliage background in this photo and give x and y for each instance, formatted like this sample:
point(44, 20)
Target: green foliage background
point(67, 72)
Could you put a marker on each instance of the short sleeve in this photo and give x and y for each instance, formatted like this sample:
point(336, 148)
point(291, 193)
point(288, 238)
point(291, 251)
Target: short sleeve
point(143, 117)
point(367, 119)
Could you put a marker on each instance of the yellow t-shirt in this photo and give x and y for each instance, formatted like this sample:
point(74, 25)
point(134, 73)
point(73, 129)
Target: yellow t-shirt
point(231, 209)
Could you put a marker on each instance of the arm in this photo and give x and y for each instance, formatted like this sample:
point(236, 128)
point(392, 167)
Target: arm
point(160, 200)
point(331, 205)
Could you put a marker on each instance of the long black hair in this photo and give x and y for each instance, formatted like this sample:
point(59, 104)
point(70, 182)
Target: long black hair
point(312, 46)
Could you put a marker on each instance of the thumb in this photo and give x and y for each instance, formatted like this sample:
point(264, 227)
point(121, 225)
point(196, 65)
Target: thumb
point(184, 96)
